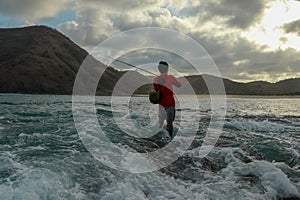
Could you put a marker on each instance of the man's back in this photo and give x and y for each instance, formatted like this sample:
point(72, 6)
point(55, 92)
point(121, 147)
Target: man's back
point(164, 83)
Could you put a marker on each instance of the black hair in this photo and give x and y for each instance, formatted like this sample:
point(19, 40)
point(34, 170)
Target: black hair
point(163, 66)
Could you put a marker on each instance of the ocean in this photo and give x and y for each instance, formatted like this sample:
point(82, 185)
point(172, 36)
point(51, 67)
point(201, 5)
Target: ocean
point(42, 155)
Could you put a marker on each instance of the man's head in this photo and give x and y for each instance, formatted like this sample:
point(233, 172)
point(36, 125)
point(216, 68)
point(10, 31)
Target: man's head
point(163, 67)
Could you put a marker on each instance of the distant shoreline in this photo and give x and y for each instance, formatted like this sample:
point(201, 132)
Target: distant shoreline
point(263, 96)
point(198, 96)
point(237, 96)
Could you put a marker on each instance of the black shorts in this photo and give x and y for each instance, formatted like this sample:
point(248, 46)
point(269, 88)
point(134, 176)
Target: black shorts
point(167, 113)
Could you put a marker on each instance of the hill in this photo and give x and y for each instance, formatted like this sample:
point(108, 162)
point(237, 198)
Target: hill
point(41, 60)
point(285, 87)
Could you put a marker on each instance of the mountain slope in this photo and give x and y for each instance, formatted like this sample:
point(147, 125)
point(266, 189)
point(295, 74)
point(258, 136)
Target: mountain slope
point(38, 60)
point(41, 60)
point(285, 87)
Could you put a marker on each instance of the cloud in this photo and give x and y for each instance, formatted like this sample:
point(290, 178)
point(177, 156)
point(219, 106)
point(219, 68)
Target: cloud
point(97, 20)
point(215, 24)
point(89, 28)
point(237, 58)
point(292, 27)
point(32, 10)
point(118, 5)
point(236, 13)
point(94, 22)
point(243, 60)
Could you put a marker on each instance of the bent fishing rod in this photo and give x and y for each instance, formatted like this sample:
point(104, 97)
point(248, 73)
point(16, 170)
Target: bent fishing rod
point(131, 65)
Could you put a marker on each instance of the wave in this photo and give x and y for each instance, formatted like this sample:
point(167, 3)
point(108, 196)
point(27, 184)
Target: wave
point(41, 183)
point(260, 126)
point(33, 114)
point(237, 179)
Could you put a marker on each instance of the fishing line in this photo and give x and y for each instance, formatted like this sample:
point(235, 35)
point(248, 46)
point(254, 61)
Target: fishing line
point(131, 65)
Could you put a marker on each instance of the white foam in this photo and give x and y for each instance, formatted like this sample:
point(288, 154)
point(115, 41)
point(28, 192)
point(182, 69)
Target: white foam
point(226, 184)
point(36, 148)
point(274, 181)
point(136, 163)
point(23, 135)
point(134, 115)
point(41, 184)
point(161, 186)
point(296, 123)
point(263, 126)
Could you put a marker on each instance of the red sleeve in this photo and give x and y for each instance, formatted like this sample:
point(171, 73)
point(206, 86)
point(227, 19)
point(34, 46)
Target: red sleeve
point(176, 82)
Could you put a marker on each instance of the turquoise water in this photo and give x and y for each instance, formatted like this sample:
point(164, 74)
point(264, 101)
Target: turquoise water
point(42, 156)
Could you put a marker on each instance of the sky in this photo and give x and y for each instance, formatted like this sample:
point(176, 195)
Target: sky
point(249, 40)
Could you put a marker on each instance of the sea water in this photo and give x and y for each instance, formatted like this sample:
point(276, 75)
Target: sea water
point(257, 155)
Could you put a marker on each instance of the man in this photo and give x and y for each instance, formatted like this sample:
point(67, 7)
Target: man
point(164, 83)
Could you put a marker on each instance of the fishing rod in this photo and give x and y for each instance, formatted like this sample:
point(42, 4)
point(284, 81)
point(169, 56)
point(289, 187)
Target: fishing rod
point(131, 65)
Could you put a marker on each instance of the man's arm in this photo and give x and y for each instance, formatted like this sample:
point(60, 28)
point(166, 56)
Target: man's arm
point(176, 82)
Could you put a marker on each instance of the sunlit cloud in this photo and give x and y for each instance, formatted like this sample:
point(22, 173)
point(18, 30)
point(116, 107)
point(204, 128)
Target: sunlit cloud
point(269, 31)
